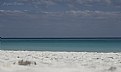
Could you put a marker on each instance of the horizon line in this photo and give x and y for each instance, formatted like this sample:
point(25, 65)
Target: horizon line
point(60, 37)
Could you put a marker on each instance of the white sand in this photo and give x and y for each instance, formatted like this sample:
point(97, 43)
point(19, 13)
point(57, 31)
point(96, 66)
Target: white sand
point(60, 61)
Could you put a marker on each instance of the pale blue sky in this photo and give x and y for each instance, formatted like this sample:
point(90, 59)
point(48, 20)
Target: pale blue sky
point(60, 18)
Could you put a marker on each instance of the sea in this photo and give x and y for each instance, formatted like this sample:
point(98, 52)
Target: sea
point(62, 44)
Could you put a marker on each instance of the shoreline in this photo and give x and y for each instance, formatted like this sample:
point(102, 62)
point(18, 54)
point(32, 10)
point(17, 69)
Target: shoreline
point(61, 51)
point(48, 61)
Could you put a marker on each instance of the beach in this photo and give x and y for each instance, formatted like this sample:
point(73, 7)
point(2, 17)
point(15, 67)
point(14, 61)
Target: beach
point(46, 61)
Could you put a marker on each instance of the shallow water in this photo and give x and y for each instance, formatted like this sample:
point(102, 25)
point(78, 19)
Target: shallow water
point(91, 45)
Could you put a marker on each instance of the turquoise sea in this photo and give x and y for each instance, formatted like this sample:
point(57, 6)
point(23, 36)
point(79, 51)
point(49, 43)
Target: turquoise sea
point(76, 45)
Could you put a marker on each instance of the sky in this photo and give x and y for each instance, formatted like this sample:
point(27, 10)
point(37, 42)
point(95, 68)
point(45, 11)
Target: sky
point(60, 18)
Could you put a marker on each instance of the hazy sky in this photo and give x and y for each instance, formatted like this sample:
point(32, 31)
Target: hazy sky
point(60, 18)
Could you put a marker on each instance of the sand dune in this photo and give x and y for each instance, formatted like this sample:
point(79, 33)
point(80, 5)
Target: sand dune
point(38, 61)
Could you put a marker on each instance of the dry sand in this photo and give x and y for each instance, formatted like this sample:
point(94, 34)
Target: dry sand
point(39, 61)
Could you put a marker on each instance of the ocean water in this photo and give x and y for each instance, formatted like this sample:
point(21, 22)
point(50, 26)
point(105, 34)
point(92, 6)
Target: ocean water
point(76, 45)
